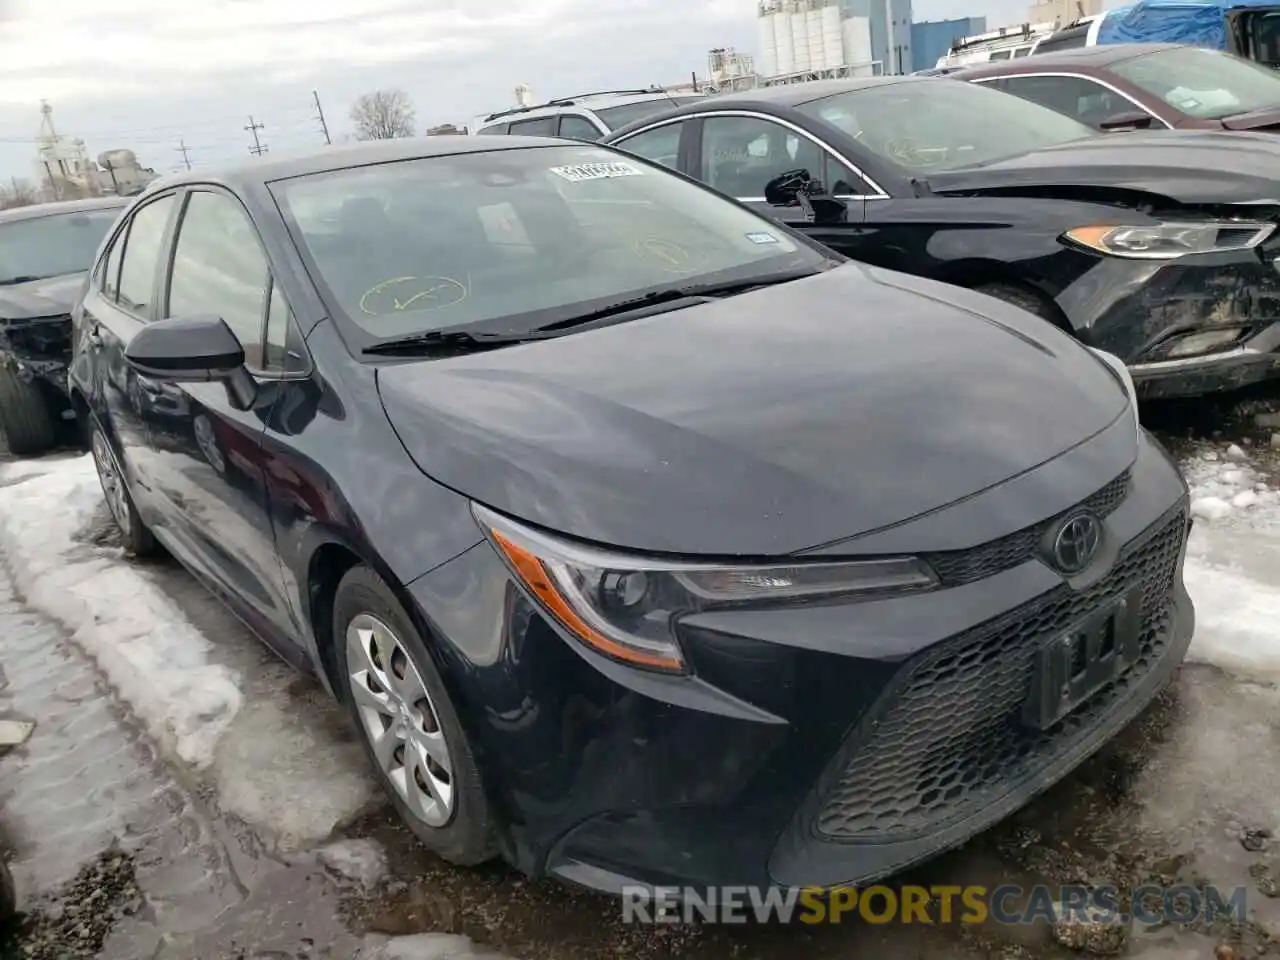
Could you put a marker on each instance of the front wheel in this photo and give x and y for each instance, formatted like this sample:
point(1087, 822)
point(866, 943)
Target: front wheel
point(137, 538)
point(25, 414)
point(410, 730)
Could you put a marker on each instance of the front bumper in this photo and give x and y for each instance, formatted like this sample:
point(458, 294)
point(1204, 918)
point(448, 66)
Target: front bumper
point(38, 350)
point(816, 745)
point(1136, 309)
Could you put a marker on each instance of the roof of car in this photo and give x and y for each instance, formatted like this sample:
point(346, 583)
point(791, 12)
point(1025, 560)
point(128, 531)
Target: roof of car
point(325, 159)
point(589, 101)
point(782, 95)
point(1097, 57)
point(36, 210)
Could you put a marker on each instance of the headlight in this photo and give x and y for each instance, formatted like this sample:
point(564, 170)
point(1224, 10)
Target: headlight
point(1167, 241)
point(626, 607)
point(1125, 378)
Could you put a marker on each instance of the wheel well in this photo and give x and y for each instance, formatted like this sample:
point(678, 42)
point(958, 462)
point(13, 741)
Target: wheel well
point(328, 566)
point(972, 274)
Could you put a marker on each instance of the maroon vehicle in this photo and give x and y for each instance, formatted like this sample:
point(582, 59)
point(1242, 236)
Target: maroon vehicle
point(1128, 86)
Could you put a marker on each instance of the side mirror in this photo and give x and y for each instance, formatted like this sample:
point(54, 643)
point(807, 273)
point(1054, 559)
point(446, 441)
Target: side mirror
point(784, 189)
point(1128, 120)
point(798, 187)
point(192, 349)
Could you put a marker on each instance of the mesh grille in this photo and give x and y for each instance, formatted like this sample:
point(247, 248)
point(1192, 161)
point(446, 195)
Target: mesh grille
point(948, 737)
point(957, 567)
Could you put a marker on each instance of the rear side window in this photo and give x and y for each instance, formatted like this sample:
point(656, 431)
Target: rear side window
point(142, 251)
point(537, 127)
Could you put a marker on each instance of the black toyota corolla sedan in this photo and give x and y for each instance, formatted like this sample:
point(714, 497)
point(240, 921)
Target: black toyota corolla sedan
point(645, 540)
point(1156, 246)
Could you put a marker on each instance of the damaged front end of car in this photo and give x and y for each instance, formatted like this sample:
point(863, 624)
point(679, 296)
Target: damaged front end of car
point(37, 349)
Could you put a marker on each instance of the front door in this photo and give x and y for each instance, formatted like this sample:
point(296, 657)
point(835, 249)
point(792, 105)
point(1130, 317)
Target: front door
point(207, 452)
point(739, 155)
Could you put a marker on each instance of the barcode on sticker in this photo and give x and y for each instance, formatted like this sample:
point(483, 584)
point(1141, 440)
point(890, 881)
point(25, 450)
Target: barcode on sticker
point(596, 171)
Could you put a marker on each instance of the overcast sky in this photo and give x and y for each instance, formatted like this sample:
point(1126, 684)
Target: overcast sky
point(149, 74)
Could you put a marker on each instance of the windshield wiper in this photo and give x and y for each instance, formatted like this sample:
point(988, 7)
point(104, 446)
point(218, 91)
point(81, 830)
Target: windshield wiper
point(671, 297)
point(458, 341)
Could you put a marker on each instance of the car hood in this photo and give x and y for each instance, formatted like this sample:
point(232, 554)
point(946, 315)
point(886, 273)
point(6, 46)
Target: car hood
point(761, 424)
point(51, 297)
point(1191, 166)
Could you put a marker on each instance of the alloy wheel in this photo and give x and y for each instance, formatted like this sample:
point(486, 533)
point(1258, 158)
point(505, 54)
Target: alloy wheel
point(112, 481)
point(399, 719)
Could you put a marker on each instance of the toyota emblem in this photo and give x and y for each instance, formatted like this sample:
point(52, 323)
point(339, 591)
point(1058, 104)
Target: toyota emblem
point(1076, 542)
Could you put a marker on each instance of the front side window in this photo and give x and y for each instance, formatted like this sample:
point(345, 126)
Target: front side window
point(219, 269)
point(516, 238)
point(661, 144)
point(742, 154)
point(1078, 97)
point(938, 124)
point(52, 246)
point(1203, 83)
point(142, 247)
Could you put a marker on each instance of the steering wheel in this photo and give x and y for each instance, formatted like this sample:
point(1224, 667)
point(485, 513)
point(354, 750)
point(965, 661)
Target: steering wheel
point(403, 294)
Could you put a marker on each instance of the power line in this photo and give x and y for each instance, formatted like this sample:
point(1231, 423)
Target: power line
point(184, 150)
point(257, 149)
point(324, 127)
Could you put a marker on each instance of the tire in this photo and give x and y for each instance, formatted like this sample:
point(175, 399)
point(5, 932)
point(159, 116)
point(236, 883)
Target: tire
point(137, 538)
point(1028, 300)
point(8, 894)
point(368, 617)
point(25, 415)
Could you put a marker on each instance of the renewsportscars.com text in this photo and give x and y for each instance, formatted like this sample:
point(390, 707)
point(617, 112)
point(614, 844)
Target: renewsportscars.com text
point(1008, 904)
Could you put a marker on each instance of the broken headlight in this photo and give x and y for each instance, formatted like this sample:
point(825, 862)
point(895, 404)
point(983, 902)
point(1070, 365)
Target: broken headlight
point(1168, 241)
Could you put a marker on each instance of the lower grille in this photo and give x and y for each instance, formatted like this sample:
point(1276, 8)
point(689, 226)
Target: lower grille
point(947, 738)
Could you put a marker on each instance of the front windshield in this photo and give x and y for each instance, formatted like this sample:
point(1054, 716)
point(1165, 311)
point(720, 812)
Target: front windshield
point(1203, 83)
point(409, 247)
point(943, 124)
point(50, 246)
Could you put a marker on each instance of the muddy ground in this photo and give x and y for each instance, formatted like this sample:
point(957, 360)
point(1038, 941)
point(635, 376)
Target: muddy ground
point(123, 856)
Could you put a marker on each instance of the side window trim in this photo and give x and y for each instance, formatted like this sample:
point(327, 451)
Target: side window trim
point(879, 194)
point(1007, 87)
point(291, 322)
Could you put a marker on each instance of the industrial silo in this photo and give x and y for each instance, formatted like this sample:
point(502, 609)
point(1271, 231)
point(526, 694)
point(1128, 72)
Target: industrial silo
point(766, 26)
point(798, 12)
point(784, 39)
point(856, 34)
point(832, 38)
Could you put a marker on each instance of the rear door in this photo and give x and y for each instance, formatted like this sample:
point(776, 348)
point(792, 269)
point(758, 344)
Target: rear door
point(119, 301)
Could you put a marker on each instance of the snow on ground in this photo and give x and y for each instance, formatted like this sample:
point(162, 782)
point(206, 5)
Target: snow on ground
point(1233, 563)
point(218, 708)
point(159, 662)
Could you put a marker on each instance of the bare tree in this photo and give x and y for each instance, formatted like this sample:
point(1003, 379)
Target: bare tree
point(20, 194)
point(383, 115)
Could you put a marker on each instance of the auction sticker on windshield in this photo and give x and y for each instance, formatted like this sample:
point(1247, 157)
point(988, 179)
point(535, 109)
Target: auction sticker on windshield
point(596, 171)
point(762, 238)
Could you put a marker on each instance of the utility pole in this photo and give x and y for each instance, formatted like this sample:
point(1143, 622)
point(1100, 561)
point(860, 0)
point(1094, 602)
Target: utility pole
point(324, 127)
point(184, 150)
point(258, 148)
